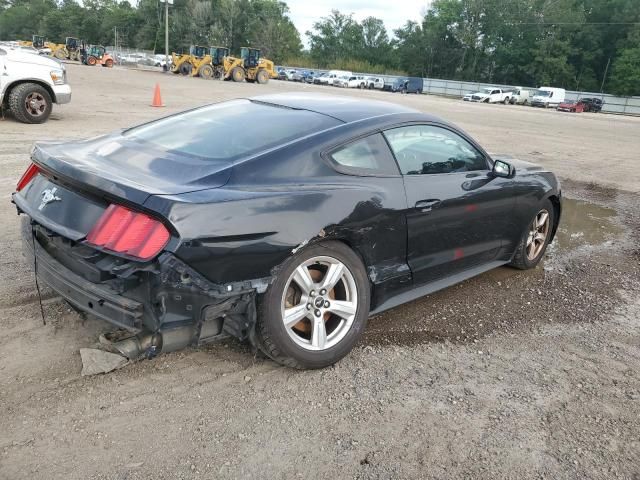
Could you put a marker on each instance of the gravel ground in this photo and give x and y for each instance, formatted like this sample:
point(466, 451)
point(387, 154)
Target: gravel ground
point(508, 375)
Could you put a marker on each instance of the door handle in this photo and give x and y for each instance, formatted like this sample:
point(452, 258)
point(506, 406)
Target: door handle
point(427, 205)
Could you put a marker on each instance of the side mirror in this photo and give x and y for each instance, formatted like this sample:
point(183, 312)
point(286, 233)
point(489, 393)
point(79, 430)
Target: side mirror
point(503, 169)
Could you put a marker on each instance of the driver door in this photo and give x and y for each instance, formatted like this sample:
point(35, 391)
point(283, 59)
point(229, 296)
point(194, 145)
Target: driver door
point(459, 215)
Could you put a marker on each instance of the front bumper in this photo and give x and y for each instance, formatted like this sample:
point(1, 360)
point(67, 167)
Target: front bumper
point(62, 93)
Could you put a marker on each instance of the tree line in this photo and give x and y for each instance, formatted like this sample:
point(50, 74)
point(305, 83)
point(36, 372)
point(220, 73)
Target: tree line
point(576, 44)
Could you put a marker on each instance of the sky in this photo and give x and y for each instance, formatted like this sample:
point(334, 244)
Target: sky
point(395, 13)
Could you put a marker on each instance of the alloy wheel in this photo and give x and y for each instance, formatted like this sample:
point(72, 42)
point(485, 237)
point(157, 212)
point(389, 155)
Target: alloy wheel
point(538, 232)
point(35, 104)
point(319, 303)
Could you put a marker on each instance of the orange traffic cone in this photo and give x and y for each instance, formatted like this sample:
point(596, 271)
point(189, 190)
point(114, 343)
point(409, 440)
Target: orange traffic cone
point(157, 99)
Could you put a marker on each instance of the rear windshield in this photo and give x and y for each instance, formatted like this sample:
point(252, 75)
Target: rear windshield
point(230, 130)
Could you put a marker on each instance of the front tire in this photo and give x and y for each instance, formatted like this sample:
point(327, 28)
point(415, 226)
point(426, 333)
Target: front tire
point(535, 239)
point(237, 74)
point(262, 77)
point(30, 103)
point(316, 310)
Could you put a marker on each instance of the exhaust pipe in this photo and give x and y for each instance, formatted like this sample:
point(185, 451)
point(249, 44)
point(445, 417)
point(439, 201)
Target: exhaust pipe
point(148, 344)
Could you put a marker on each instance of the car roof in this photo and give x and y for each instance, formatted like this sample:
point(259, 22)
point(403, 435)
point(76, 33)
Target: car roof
point(345, 109)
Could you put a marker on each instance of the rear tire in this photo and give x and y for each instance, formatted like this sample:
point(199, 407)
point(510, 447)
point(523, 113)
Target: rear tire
point(30, 103)
point(91, 61)
point(535, 238)
point(108, 63)
point(237, 74)
point(262, 77)
point(319, 337)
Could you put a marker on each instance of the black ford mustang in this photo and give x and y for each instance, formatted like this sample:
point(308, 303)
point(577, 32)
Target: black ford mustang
point(284, 220)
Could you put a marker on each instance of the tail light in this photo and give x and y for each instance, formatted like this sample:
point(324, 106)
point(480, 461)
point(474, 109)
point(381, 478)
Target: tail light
point(31, 171)
point(131, 233)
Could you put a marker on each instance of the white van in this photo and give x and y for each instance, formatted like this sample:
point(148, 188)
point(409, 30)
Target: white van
point(547, 97)
point(335, 74)
point(521, 96)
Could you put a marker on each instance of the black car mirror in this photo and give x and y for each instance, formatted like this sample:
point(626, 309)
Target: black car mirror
point(503, 169)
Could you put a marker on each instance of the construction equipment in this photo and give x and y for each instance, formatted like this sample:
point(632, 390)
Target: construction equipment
point(249, 67)
point(96, 55)
point(184, 63)
point(212, 64)
point(73, 46)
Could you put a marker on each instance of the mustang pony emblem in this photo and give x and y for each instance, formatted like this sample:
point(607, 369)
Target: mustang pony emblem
point(48, 196)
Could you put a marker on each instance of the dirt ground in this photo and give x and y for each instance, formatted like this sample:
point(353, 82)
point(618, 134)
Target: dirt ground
point(509, 375)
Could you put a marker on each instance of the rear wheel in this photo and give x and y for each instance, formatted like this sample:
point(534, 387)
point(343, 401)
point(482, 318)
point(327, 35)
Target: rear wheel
point(237, 74)
point(262, 77)
point(30, 103)
point(316, 309)
point(535, 239)
point(108, 63)
point(92, 61)
point(206, 72)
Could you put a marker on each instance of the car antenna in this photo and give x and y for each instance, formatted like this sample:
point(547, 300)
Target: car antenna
point(35, 270)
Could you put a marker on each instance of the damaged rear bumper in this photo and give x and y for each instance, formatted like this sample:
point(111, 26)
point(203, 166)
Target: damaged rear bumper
point(164, 298)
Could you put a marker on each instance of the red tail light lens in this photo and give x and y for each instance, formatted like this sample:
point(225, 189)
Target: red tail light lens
point(31, 171)
point(131, 233)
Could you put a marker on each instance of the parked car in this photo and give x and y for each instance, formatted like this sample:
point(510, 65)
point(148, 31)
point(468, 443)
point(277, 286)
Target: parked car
point(353, 81)
point(548, 97)
point(160, 60)
point(376, 83)
point(282, 74)
point(592, 104)
point(491, 95)
point(30, 84)
point(288, 237)
point(321, 79)
point(407, 85)
point(467, 97)
point(333, 75)
point(581, 105)
point(520, 96)
point(571, 106)
point(293, 76)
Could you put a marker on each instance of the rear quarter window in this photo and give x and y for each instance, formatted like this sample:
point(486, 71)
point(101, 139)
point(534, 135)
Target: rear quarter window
point(365, 156)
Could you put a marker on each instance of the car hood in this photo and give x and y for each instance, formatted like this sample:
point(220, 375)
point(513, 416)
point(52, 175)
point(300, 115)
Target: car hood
point(19, 56)
point(129, 169)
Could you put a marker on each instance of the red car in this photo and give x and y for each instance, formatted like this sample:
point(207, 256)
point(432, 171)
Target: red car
point(577, 107)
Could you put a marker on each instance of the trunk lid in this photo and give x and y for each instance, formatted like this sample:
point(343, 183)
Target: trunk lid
point(128, 169)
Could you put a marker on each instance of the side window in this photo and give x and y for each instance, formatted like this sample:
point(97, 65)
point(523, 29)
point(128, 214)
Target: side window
point(365, 156)
point(427, 149)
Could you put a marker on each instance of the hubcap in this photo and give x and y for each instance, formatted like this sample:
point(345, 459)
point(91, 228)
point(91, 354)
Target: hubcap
point(35, 104)
point(538, 233)
point(319, 303)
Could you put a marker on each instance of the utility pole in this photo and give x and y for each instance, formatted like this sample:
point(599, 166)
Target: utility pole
point(166, 35)
point(605, 75)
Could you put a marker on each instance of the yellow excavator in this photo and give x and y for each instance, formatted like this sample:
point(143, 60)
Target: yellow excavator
point(249, 67)
point(212, 64)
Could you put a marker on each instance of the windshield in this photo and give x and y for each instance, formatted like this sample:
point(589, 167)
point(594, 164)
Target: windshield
point(221, 132)
point(542, 93)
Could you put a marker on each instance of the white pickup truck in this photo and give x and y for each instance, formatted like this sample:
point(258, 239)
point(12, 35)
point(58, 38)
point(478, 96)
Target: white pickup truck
point(491, 95)
point(30, 84)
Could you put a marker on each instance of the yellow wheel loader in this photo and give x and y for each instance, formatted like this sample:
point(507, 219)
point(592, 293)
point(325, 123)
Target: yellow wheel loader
point(184, 63)
point(249, 67)
point(212, 64)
